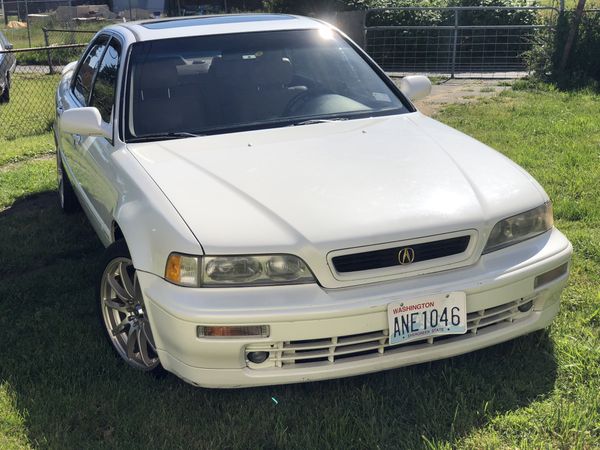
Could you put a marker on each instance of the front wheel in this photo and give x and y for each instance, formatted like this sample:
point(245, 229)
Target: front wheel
point(122, 311)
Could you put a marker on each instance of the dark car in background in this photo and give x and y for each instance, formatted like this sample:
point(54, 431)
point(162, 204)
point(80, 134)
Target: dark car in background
point(7, 67)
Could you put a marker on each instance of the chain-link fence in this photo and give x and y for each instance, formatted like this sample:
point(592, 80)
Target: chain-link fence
point(54, 36)
point(455, 41)
point(28, 106)
point(24, 21)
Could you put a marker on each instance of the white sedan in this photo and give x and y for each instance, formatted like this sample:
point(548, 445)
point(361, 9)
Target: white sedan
point(275, 209)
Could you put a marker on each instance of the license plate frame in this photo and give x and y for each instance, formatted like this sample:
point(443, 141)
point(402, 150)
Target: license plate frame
point(426, 317)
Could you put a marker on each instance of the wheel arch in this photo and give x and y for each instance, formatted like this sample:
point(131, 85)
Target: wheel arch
point(152, 230)
point(116, 233)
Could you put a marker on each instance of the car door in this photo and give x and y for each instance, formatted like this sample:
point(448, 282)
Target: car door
point(77, 95)
point(100, 181)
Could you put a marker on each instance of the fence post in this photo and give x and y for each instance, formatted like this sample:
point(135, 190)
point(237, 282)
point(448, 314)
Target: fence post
point(47, 43)
point(27, 20)
point(455, 39)
point(5, 17)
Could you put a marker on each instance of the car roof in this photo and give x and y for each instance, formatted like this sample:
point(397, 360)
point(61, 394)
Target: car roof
point(166, 28)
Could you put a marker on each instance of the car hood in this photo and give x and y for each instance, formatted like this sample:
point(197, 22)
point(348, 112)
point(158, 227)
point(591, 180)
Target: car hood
point(322, 187)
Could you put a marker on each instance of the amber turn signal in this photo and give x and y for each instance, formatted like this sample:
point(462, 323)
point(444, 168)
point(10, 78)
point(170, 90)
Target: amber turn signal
point(173, 270)
point(182, 269)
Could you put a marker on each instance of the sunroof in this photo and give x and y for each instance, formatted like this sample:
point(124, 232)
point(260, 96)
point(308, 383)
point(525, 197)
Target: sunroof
point(214, 20)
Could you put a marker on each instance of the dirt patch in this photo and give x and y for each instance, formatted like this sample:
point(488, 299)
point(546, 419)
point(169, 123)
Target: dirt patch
point(458, 91)
point(11, 165)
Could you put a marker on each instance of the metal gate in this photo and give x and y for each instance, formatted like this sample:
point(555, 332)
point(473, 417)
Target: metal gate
point(456, 41)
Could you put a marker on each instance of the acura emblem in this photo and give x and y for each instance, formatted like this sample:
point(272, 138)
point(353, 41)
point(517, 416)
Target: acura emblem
point(406, 256)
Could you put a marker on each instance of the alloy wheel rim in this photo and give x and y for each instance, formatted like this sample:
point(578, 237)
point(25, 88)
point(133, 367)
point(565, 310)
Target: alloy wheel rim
point(124, 315)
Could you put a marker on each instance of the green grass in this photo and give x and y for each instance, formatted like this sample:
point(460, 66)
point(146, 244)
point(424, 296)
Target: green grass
point(12, 423)
point(23, 179)
point(15, 150)
point(61, 387)
point(553, 135)
point(31, 108)
point(19, 38)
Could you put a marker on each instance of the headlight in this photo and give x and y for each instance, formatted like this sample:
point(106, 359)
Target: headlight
point(207, 271)
point(518, 228)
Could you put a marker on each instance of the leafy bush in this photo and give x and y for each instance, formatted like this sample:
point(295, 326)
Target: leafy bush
point(583, 65)
point(489, 17)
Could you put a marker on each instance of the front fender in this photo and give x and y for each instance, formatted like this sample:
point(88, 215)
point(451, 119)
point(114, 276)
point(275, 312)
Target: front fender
point(150, 224)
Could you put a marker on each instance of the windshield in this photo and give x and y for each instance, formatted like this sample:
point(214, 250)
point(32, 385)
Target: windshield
point(223, 83)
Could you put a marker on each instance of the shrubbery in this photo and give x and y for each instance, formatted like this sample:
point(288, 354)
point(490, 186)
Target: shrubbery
point(583, 65)
point(489, 17)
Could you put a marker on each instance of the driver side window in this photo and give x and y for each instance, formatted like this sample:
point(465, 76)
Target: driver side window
point(85, 75)
point(103, 91)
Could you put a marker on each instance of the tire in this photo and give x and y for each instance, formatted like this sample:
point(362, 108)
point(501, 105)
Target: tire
point(121, 311)
point(66, 195)
point(5, 98)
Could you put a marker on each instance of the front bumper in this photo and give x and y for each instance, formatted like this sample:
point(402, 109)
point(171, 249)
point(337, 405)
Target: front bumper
point(308, 315)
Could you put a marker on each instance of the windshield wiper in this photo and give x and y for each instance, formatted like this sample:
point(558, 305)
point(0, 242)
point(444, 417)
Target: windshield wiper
point(171, 135)
point(313, 121)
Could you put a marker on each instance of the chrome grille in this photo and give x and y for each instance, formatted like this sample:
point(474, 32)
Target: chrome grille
point(333, 349)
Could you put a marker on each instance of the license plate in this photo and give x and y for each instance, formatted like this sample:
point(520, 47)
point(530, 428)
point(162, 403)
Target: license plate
point(436, 315)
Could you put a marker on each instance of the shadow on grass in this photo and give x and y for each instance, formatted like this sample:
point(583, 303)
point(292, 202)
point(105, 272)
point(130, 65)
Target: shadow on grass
point(74, 394)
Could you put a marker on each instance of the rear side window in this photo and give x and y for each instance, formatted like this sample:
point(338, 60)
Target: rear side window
point(85, 75)
point(103, 94)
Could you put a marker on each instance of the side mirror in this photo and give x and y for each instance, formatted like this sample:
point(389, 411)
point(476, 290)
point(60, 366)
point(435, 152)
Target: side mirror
point(8, 46)
point(69, 66)
point(415, 87)
point(85, 121)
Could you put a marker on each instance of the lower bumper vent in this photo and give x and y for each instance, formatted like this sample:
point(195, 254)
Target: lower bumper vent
point(337, 348)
